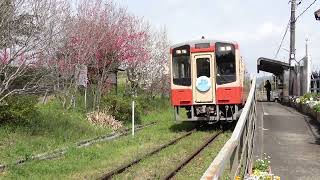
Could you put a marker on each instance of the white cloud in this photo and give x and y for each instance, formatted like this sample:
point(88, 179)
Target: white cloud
point(267, 29)
point(263, 32)
point(257, 26)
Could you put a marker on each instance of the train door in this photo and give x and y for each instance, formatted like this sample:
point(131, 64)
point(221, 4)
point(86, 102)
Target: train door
point(203, 83)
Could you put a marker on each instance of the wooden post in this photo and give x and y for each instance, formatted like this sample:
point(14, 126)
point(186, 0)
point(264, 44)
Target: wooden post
point(45, 97)
point(133, 118)
point(85, 98)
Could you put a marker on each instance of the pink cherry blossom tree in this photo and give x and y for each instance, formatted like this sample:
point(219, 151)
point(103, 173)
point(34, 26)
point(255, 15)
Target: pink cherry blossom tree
point(100, 36)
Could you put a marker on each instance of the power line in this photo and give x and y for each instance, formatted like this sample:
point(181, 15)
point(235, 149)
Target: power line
point(305, 10)
point(287, 28)
point(284, 36)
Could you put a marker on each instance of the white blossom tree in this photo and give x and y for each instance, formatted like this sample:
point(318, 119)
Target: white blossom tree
point(28, 31)
point(151, 75)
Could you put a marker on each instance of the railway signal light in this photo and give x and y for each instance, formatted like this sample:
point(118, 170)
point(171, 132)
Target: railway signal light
point(317, 15)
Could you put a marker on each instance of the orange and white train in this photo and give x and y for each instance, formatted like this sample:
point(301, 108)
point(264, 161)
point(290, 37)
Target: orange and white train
point(208, 80)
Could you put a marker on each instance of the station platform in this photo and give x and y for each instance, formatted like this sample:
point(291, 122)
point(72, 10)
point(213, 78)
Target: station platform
point(290, 138)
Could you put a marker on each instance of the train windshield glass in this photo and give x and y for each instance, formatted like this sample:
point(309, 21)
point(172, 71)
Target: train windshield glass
point(203, 67)
point(226, 63)
point(181, 70)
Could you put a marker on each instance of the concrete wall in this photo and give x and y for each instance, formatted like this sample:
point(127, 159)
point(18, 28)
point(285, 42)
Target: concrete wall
point(301, 77)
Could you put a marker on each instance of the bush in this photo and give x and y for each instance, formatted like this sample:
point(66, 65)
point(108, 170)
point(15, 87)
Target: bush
point(308, 97)
point(120, 107)
point(17, 108)
point(143, 103)
point(316, 108)
point(151, 104)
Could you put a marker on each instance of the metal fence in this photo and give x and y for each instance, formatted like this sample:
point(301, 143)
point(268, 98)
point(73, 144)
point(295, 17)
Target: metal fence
point(315, 85)
point(235, 158)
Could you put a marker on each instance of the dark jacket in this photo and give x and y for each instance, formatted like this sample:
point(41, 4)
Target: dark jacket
point(268, 86)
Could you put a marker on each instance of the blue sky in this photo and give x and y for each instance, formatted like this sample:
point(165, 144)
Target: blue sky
point(257, 26)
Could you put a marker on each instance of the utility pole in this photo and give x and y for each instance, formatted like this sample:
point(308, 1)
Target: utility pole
point(293, 31)
point(292, 52)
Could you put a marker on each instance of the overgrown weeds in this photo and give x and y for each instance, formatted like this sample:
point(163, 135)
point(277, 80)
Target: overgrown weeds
point(49, 128)
point(18, 109)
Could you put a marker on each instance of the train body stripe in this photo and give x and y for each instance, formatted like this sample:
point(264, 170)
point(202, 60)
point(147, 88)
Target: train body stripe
point(181, 97)
point(199, 50)
point(229, 95)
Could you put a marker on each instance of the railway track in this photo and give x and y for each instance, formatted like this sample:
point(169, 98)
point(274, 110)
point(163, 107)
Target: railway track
point(192, 156)
point(84, 143)
point(171, 174)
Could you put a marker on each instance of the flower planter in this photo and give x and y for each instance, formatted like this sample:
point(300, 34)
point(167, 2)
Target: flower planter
point(261, 175)
point(260, 169)
point(313, 113)
point(291, 103)
point(318, 117)
point(304, 109)
point(295, 105)
point(299, 107)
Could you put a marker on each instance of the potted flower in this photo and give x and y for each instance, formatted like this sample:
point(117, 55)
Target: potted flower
point(262, 170)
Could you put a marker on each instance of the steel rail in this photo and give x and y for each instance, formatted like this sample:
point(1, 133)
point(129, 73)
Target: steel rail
point(125, 132)
point(238, 149)
point(126, 166)
point(192, 156)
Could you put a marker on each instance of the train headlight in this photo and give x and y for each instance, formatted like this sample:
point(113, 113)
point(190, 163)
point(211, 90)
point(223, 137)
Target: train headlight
point(178, 51)
point(184, 51)
point(225, 48)
point(222, 48)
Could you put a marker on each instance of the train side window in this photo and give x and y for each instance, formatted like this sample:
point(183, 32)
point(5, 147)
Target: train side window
point(226, 63)
point(181, 70)
point(203, 67)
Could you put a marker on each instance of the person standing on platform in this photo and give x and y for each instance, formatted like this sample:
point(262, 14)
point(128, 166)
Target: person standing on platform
point(268, 89)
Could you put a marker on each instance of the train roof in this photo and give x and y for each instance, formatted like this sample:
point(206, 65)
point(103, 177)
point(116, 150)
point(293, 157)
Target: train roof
point(194, 42)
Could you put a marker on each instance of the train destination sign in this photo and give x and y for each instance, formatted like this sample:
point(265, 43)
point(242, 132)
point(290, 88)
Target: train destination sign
point(203, 83)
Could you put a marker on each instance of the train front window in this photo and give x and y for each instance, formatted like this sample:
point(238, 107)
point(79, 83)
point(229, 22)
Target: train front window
point(181, 70)
point(226, 63)
point(203, 67)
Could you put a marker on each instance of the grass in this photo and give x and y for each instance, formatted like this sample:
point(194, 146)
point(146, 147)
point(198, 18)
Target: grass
point(51, 127)
point(92, 162)
point(199, 165)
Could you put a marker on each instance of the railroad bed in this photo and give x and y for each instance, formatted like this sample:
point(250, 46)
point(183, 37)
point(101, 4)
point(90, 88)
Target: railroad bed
point(187, 155)
point(179, 156)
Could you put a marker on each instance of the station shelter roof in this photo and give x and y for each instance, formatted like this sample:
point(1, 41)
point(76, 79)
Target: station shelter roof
point(272, 66)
